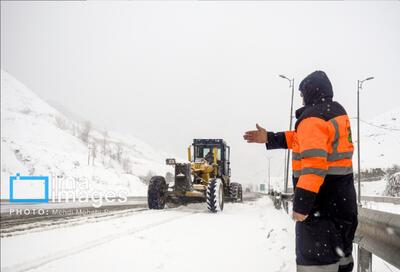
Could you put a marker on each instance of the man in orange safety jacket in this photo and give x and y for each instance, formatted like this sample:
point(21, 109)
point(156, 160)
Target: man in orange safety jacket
point(324, 204)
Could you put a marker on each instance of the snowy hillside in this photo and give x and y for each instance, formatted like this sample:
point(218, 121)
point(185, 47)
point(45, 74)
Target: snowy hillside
point(36, 139)
point(380, 140)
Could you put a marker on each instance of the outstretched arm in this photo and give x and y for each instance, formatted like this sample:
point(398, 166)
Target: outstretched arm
point(282, 139)
point(271, 139)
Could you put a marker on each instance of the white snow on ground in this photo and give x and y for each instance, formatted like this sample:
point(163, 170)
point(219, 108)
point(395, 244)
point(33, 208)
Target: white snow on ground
point(372, 188)
point(37, 140)
point(244, 237)
point(252, 236)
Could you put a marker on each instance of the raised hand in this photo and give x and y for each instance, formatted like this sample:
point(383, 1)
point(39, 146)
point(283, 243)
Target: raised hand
point(256, 136)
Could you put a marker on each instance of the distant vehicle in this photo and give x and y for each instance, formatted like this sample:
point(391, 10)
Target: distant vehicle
point(206, 178)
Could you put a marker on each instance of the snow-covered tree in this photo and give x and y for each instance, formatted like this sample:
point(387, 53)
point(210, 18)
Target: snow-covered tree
point(393, 185)
point(85, 131)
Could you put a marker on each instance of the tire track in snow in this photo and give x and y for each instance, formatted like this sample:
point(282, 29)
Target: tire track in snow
point(13, 229)
point(29, 265)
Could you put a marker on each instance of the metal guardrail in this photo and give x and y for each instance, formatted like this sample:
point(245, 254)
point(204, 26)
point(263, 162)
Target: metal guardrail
point(281, 200)
point(382, 199)
point(378, 232)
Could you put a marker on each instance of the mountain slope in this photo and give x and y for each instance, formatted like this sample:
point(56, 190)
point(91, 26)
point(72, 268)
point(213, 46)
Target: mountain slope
point(36, 139)
point(380, 140)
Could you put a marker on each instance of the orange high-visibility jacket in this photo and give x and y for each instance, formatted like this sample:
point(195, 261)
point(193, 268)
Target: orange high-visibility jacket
point(320, 148)
point(321, 145)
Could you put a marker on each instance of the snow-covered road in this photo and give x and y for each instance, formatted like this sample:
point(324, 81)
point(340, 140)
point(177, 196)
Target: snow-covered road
point(252, 236)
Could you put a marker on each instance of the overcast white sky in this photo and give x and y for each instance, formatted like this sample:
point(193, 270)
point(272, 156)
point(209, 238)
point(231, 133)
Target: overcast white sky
point(168, 72)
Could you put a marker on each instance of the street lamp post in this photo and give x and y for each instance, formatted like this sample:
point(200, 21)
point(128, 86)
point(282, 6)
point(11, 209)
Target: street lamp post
point(291, 85)
point(359, 87)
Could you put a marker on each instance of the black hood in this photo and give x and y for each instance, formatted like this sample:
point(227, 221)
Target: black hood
point(316, 88)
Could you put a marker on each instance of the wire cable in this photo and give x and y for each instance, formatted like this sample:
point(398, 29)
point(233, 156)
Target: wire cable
point(377, 126)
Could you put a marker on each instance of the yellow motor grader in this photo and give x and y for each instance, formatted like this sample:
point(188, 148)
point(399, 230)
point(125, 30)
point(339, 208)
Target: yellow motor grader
point(206, 178)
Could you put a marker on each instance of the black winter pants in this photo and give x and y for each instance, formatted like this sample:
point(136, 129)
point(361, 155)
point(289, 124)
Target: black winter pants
point(325, 244)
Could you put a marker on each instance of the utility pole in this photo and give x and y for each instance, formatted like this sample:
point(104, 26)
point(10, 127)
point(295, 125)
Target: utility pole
point(287, 161)
point(359, 87)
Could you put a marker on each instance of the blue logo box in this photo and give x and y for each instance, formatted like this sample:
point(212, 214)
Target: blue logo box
point(19, 178)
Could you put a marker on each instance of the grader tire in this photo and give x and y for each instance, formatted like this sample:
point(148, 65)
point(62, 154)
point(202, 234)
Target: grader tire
point(215, 196)
point(157, 193)
point(240, 194)
point(235, 192)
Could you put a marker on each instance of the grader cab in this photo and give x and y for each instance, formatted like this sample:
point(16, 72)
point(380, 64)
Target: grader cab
point(205, 178)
